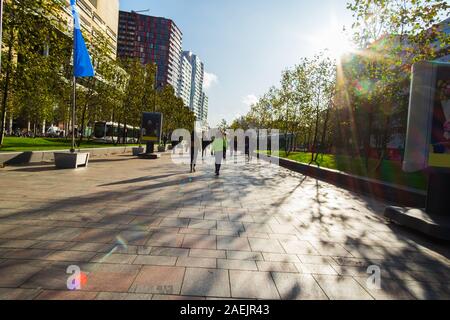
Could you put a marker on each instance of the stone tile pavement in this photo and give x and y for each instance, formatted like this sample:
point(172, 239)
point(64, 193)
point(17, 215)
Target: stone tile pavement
point(142, 229)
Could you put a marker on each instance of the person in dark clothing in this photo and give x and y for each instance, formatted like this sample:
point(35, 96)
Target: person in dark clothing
point(195, 144)
point(219, 145)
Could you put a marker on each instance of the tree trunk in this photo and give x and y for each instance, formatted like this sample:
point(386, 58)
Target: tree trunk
point(6, 85)
point(83, 120)
point(11, 119)
point(324, 133)
point(117, 141)
point(384, 144)
point(83, 115)
point(367, 139)
point(125, 133)
point(316, 133)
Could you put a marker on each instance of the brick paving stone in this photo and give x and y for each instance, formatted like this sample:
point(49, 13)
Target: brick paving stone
point(18, 294)
point(194, 231)
point(258, 235)
point(196, 262)
point(194, 241)
point(52, 277)
point(282, 236)
point(206, 282)
point(328, 248)
point(205, 253)
point(132, 238)
point(66, 295)
point(342, 288)
point(280, 257)
point(264, 245)
point(276, 266)
point(202, 224)
point(156, 260)
point(162, 297)
point(109, 277)
point(91, 247)
point(316, 269)
point(75, 256)
point(113, 258)
point(110, 216)
point(97, 236)
point(146, 221)
point(14, 280)
point(262, 285)
point(237, 264)
point(170, 252)
point(53, 245)
point(230, 226)
point(194, 214)
point(17, 244)
point(165, 239)
point(293, 286)
point(240, 217)
point(211, 215)
point(170, 222)
point(227, 233)
point(257, 227)
point(244, 255)
point(123, 296)
point(27, 254)
point(389, 290)
point(283, 229)
point(308, 259)
point(298, 247)
point(158, 280)
point(233, 243)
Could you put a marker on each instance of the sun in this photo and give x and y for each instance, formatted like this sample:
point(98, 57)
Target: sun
point(333, 41)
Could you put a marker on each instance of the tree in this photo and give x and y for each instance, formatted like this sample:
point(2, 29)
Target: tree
point(392, 35)
point(323, 83)
point(97, 90)
point(26, 69)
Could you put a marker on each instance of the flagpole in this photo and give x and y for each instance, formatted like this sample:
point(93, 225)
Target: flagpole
point(74, 101)
point(82, 64)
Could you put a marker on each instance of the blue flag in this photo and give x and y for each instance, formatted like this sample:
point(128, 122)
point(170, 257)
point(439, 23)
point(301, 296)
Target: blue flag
point(82, 65)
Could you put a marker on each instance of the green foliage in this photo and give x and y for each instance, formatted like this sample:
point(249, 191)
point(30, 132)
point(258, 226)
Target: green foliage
point(390, 170)
point(30, 65)
point(374, 82)
point(300, 108)
point(36, 79)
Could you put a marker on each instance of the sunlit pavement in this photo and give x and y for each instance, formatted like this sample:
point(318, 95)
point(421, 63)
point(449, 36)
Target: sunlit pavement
point(147, 229)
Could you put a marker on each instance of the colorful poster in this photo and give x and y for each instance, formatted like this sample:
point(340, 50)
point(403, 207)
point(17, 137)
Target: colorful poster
point(440, 132)
point(152, 126)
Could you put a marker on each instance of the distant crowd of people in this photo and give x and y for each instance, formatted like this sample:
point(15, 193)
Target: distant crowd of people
point(219, 147)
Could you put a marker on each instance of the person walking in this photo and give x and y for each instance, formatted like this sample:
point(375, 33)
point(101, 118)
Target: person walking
point(218, 147)
point(225, 146)
point(195, 147)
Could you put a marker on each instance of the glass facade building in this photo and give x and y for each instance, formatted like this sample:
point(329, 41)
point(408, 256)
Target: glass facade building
point(152, 40)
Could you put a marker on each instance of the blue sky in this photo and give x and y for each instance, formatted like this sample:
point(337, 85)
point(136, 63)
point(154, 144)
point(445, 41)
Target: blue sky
point(246, 44)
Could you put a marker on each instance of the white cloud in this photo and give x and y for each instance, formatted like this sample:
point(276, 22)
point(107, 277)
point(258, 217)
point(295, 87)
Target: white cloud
point(250, 100)
point(209, 80)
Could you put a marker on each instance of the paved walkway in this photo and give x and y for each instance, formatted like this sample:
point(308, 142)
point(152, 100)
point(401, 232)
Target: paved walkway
point(143, 229)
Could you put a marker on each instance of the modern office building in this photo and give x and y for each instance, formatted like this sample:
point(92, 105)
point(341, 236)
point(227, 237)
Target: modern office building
point(98, 16)
point(184, 82)
point(197, 76)
point(204, 109)
point(152, 40)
